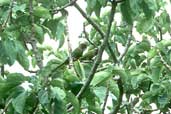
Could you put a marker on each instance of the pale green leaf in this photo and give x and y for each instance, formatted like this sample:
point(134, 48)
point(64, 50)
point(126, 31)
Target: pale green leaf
point(42, 12)
point(19, 102)
point(101, 77)
point(74, 101)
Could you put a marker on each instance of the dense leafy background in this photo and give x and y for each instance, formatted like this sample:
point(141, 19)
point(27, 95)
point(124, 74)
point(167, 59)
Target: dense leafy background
point(136, 80)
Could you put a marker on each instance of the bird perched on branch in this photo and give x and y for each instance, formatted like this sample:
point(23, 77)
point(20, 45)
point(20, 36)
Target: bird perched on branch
point(90, 54)
point(76, 54)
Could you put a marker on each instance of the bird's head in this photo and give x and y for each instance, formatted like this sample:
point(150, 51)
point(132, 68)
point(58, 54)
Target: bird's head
point(83, 45)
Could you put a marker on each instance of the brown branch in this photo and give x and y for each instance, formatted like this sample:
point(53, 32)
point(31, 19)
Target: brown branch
point(72, 2)
point(127, 45)
point(121, 92)
point(105, 99)
point(96, 27)
point(33, 41)
point(100, 52)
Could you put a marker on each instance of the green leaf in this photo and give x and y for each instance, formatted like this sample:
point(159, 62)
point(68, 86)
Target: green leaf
point(59, 107)
point(19, 102)
point(43, 97)
point(145, 25)
point(91, 3)
point(126, 12)
point(62, 2)
point(152, 53)
point(121, 72)
point(101, 77)
point(103, 2)
point(3, 2)
point(57, 93)
point(39, 33)
point(21, 56)
point(163, 100)
point(100, 93)
point(79, 69)
point(53, 27)
point(42, 12)
point(58, 82)
point(147, 11)
point(21, 8)
point(70, 76)
point(8, 51)
point(97, 9)
point(137, 80)
point(74, 101)
point(75, 87)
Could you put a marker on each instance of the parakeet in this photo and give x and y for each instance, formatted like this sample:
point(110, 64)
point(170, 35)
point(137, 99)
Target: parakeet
point(90, 54)
point(76, 54)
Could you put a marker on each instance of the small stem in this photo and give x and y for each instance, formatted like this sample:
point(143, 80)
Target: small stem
point(163, 61)
point(86, 36)
point(105, 100)
point(127, 45)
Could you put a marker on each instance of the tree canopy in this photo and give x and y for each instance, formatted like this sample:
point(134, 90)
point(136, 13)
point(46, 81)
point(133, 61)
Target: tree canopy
point(134, 76)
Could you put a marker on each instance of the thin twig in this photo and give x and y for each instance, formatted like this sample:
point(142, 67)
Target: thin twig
point(105, 99)
point(69, 45)
point(6, 106)
point(96, 27)
point(89, 20)
point(127, 45)
point(86, 35)
point(100, 52)
point(72, 2)
point(163, 61)
point(121, 92)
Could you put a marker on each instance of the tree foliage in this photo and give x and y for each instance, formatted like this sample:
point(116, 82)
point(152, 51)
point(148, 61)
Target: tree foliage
point(134, 75)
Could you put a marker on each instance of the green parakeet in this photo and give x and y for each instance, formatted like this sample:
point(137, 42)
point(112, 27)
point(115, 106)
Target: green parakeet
point(76, 54)
point(90, 54)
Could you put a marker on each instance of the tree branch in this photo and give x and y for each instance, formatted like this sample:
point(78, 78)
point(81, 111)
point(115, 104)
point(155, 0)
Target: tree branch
point(89, 20)
point(72, 2)
point(100, 52)
point(95, 26)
